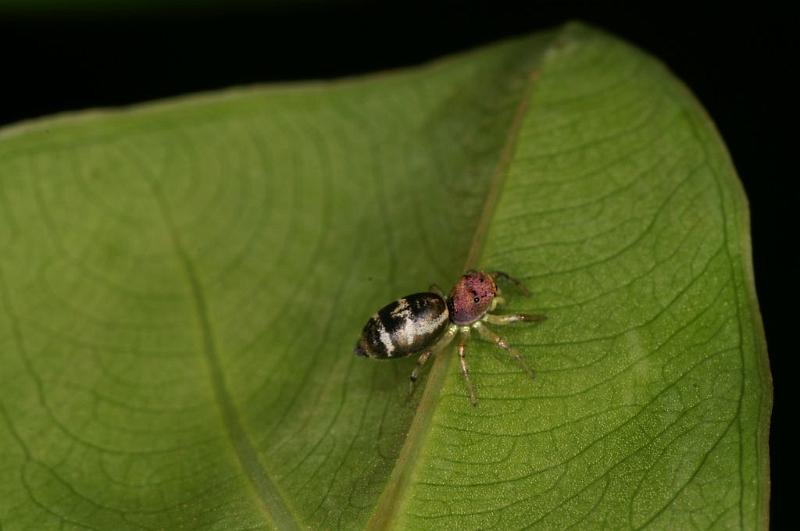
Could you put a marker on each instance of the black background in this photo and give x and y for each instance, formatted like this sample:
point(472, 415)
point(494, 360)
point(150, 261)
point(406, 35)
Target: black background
point(737, 60)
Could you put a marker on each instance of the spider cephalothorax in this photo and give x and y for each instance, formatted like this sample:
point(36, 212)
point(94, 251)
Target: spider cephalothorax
point(427, 322)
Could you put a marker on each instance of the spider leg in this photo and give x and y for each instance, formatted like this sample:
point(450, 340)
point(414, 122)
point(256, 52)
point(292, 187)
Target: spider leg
point(498, 300)
point(491, 337)
point(415, 373)
point(437, 290)
point(443, 341)
point(465, 368)
point(514, 317)
point(499, 275)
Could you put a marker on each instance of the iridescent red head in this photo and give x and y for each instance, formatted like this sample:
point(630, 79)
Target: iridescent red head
point(471, 297)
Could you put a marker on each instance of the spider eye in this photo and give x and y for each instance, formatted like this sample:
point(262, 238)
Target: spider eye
point(476, 300)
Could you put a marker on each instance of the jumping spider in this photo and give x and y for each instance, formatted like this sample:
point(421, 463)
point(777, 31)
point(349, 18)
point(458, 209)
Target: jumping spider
point(427, 322)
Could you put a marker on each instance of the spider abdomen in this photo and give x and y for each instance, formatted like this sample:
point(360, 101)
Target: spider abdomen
point(404, 326)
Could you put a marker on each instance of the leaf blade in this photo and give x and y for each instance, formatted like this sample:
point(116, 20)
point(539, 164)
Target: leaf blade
point(281, 217)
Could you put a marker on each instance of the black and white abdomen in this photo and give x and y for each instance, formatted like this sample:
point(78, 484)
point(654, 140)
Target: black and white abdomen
point(404, 326)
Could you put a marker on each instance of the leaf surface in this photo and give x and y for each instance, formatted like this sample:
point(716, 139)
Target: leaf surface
point(182, 285)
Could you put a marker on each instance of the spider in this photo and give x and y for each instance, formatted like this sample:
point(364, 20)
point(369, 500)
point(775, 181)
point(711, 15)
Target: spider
point(427, 322)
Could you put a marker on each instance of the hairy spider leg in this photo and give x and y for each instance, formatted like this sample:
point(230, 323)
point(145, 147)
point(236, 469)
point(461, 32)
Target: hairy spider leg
point(503, 320)
point(443, 341)
point(498, 300)
point(462, 345)
point(415, 373)
point(491, 337)
point(437, 290)
point(499, 275)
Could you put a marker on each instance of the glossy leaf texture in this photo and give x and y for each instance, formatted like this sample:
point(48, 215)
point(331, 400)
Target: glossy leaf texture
point(182, 284)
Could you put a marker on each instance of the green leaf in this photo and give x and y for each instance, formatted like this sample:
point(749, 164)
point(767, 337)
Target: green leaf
point(182, 285)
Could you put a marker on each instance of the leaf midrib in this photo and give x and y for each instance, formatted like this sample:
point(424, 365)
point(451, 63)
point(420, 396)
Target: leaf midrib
point(395, 492)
